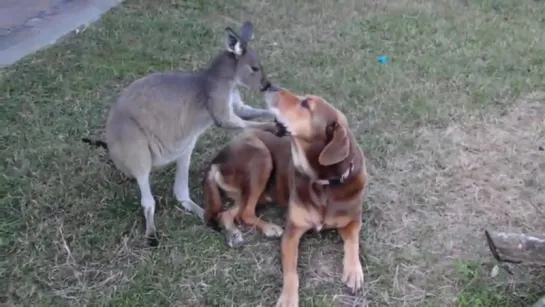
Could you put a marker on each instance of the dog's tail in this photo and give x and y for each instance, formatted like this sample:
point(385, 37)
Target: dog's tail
point(211, 197)
point(97, 143)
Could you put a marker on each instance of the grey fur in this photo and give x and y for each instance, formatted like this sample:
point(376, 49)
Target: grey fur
point(158, 119)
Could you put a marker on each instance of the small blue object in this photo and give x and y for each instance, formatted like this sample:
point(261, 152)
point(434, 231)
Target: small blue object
point(383, 59)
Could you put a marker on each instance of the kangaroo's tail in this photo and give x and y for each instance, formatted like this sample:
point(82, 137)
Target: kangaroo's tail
point(97, 143)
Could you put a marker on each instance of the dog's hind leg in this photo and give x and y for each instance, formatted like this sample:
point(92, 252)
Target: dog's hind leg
point(213, 216)
point(251, 194)
point(269, 229)
point(233, 235)
point(181, 182)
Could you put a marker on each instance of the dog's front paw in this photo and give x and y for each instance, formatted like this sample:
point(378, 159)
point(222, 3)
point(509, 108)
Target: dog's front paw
point(353, 275)
point(288, 300)
point(272, 230)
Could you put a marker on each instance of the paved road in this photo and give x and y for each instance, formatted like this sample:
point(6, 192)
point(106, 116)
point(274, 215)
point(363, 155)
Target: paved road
point(29, 25)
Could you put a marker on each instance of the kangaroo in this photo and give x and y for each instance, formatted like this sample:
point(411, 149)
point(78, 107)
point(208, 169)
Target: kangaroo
point(158, 118)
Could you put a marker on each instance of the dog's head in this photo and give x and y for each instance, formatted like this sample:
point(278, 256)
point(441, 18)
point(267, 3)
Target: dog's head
point(319, 132)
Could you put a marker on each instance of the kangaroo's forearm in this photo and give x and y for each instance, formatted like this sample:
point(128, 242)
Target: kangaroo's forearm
point(248, 113)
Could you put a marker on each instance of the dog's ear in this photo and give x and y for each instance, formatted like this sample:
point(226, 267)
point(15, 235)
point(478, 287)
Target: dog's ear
point(338, 147)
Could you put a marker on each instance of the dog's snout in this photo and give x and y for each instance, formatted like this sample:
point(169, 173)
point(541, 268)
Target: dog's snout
point(271, 95)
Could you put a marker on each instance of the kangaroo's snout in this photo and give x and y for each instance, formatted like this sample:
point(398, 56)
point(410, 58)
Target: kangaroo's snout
point(272, 88)
point(265, 85)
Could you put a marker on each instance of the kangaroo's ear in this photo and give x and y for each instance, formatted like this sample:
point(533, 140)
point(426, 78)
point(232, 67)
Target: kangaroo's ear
point(338, 147)
point(233, 43)
point(247, 31)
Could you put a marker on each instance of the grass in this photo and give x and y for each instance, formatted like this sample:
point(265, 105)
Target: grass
point(450, 128)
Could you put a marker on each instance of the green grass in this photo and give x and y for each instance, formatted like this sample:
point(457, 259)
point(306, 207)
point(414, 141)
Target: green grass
point(479, 292)
point(71, 227)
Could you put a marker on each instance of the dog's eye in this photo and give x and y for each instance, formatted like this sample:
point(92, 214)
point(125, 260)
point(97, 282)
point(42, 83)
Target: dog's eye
point(255, 68)
point(304, 103)
point(330, 128)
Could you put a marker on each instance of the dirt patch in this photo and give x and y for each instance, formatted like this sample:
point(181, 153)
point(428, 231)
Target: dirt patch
point(432, 205)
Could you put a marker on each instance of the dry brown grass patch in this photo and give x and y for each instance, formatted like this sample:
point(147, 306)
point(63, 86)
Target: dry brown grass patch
point(434, 203)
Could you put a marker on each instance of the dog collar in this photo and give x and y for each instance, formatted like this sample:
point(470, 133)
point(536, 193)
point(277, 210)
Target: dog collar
point(339, 180)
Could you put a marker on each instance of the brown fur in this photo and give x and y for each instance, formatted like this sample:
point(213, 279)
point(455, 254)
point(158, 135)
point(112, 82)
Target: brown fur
point(257, 167)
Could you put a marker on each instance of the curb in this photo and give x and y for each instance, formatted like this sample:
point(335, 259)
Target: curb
point(45, 32)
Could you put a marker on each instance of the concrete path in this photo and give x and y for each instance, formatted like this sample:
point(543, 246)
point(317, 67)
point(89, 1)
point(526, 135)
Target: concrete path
point(29, 25)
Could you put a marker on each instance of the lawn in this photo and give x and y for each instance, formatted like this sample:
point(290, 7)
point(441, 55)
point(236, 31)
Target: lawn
point(451, 127)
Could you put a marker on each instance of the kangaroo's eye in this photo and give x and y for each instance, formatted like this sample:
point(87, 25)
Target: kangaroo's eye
point(255, 68)
point(304, 103)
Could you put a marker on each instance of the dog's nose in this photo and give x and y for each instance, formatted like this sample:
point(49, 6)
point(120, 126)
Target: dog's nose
point(271, 95)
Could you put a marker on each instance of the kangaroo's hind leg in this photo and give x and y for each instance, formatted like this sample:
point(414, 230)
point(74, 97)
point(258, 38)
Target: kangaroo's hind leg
point(129, 150)
point(181, 182)
point(148, 205)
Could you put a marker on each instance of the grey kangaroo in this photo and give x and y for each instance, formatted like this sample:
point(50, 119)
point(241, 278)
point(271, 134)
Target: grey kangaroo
point(158, 118)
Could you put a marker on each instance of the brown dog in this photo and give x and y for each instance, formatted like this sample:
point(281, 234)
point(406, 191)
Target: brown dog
point(318, 172)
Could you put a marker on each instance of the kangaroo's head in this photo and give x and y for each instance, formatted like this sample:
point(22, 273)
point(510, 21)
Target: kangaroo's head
point(248, 70)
